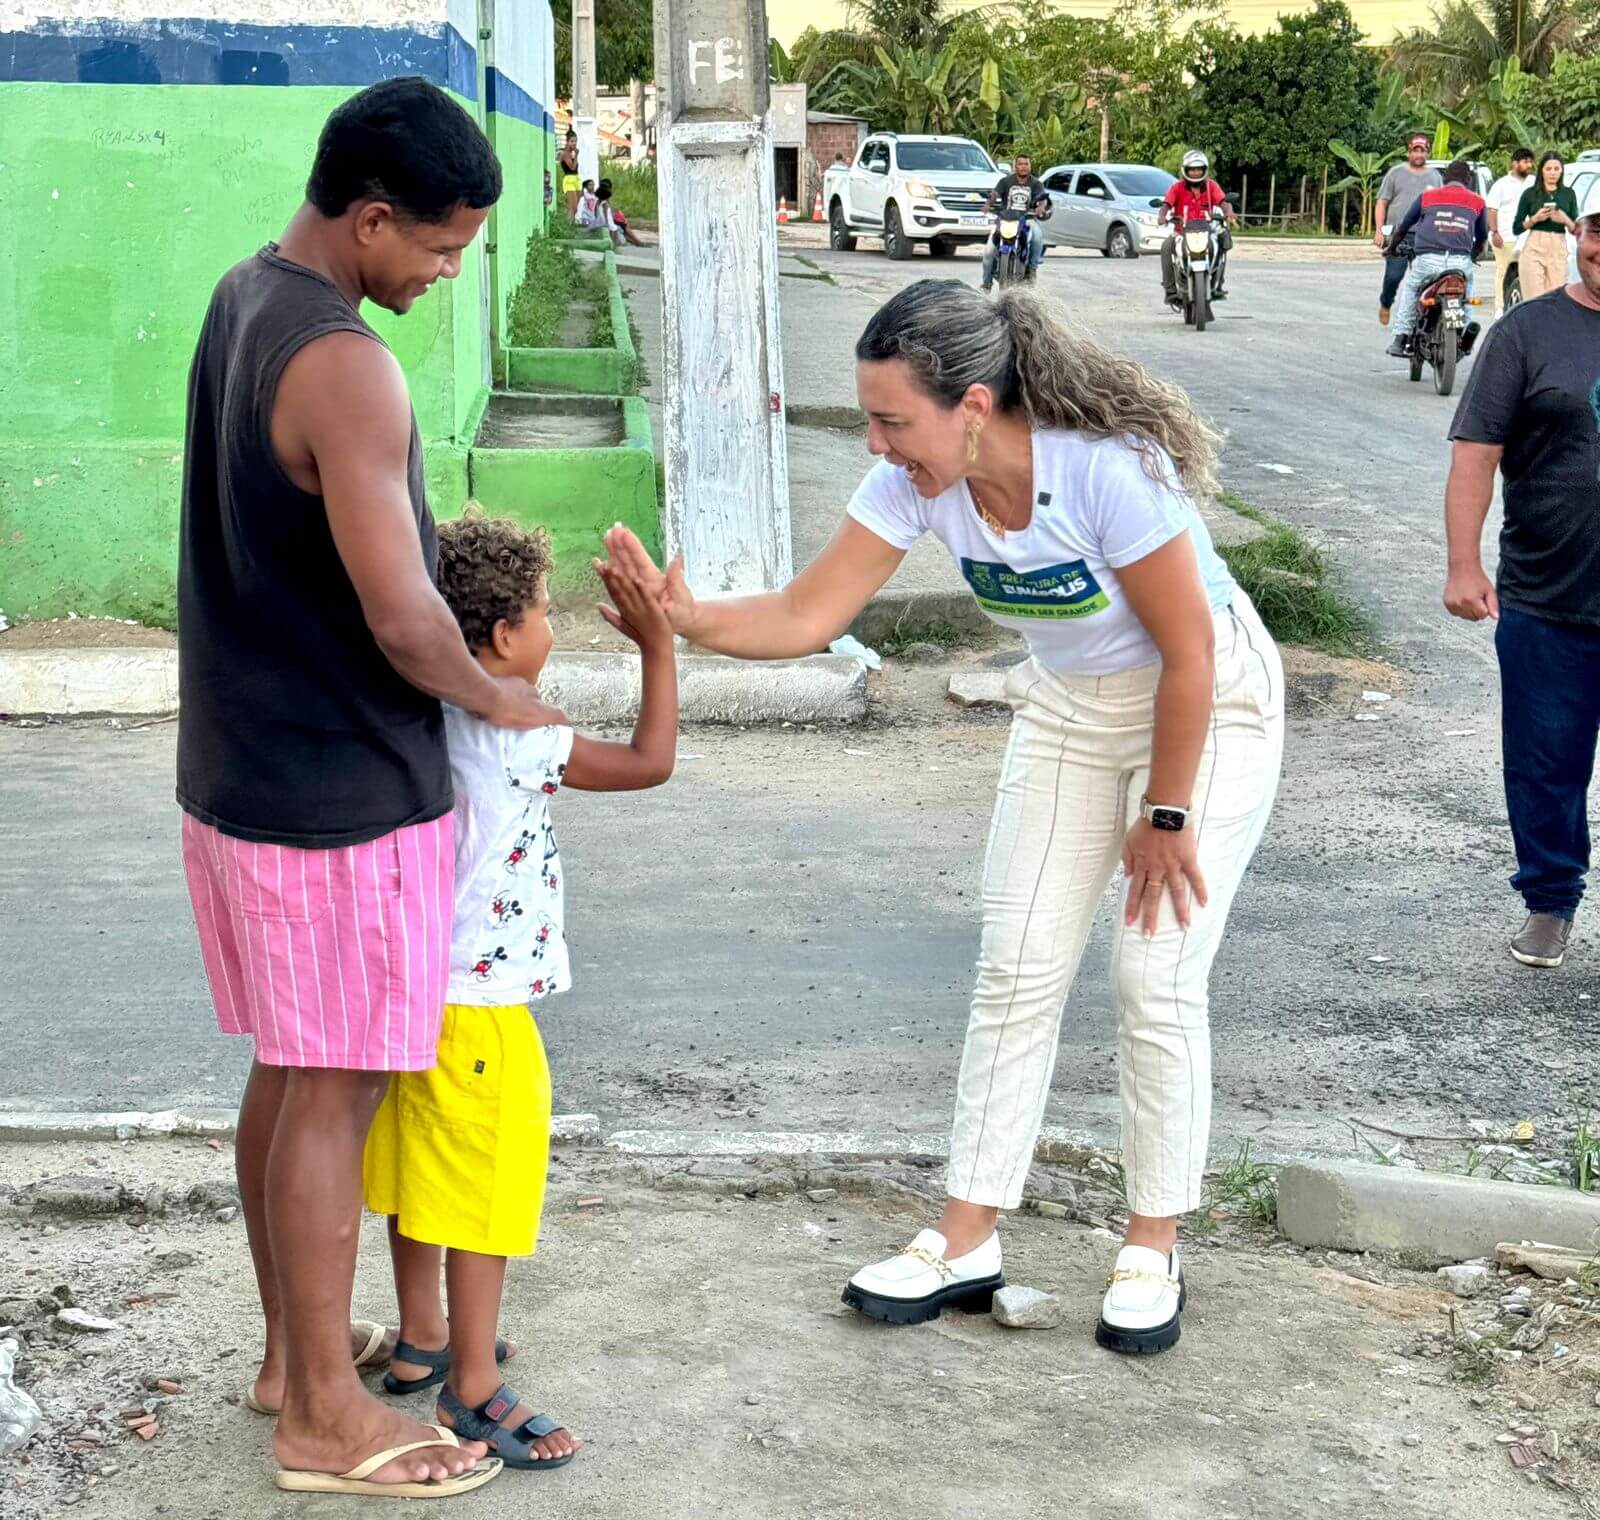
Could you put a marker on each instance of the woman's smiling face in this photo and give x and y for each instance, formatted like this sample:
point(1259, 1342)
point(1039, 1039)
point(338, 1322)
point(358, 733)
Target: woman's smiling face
point(909, 428)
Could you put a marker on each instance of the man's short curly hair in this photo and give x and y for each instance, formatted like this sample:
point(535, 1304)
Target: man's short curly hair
point(490, 568)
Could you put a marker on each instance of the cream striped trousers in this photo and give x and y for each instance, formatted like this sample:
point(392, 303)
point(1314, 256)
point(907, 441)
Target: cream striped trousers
point(1074, 772)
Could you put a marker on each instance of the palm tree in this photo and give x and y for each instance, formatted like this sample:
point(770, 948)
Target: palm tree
point(1471, 42)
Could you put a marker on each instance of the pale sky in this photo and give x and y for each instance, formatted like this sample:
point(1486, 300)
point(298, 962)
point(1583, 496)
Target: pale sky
point(1379, 19)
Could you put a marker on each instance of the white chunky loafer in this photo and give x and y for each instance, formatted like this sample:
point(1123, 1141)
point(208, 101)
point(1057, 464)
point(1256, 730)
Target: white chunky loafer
point(917, 1282)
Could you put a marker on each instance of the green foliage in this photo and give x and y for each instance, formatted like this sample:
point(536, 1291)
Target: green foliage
point(1367, 169)
point(550, 278)
point(624, 44)
point(1271, 103)
point(1286, 577)
point(1243, 1189)
point(1471, 41)
point(633, 189)
point(1564, 107)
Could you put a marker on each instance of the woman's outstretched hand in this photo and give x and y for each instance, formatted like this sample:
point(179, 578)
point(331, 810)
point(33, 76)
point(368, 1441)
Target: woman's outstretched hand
point(1157, 863)
point(667, 588)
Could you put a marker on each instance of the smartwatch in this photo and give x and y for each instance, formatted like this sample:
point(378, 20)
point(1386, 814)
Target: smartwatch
point(1170, 820)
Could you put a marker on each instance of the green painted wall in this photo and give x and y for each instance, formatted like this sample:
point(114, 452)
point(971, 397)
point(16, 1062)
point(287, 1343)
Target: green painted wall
point(525, 153)
point(122, 206)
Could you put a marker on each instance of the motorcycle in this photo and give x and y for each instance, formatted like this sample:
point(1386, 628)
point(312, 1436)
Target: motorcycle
point(1201, 260)
point(1016, 230)
point(1441, 326)
point(1439, 338)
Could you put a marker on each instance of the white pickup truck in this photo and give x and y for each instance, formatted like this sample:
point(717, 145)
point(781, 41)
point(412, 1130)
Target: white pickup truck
point(909, 190)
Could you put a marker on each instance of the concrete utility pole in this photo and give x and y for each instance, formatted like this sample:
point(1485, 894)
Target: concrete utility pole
point(727, 472)
point(583, 90)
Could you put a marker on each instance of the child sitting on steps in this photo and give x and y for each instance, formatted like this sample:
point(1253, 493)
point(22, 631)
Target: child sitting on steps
point(456, 1156)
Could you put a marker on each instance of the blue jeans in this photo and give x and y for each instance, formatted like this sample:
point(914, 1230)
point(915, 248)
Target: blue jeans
point(991, 251)
point(1425, 269)
point(1550, 716)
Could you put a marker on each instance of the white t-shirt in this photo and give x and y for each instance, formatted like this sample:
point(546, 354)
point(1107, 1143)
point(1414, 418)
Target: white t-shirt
point(1504, 196)
point(1096, 509)
point(508, 945)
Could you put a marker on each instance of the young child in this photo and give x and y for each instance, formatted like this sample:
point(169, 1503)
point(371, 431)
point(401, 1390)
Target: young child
point(456, 1156)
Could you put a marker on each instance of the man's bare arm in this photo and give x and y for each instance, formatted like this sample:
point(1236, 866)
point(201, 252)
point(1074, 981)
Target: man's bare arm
point(342, 410)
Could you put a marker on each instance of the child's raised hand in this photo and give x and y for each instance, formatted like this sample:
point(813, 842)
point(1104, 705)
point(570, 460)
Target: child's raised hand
point(670, 587)
point(638, 614)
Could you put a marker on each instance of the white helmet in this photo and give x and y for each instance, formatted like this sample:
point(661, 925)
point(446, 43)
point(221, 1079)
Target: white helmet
point(1195, 159)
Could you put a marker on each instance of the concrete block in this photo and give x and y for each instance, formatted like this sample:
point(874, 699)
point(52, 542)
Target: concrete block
point(72, 682)
point(1428, 1218)
point(979, 688)
point(595, 688)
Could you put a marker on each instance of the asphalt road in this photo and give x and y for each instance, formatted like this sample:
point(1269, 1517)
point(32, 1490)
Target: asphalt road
point(784, 936)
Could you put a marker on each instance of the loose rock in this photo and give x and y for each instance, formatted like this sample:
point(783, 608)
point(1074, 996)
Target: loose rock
point(1469, 1279)
point(1021, 1308)
point(226, 1215)
point(75, 1196)
point(821, 1195)
point(923, 654)
point(82, 1319)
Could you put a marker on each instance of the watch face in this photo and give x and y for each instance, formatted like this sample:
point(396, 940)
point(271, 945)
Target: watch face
point(1169, 819)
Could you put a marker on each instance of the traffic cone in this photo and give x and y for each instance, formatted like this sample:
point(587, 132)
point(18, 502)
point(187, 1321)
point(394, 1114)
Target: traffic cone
point(816, 208)
point(783, 211)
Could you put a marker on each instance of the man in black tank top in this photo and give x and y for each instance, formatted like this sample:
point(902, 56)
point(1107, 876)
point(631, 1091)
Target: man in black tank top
point(314, 652)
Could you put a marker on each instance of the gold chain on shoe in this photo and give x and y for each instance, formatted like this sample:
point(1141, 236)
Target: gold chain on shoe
point(1138, 1274)
point(922, 1254)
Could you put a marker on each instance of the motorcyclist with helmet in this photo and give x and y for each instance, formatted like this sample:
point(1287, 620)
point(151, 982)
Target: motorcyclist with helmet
point(1192, 198)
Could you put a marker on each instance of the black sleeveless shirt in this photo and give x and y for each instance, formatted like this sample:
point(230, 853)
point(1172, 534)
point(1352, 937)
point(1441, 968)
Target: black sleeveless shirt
point(293, 727)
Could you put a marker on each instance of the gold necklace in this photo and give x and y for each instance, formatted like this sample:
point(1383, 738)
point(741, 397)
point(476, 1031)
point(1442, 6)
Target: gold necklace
point(985, 516)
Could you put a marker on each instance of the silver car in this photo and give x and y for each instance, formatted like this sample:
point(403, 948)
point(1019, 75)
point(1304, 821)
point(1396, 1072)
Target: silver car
point(1112, 207)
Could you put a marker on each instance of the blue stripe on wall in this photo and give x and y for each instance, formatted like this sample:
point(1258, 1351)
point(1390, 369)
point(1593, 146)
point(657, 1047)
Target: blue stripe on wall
point(506, 97)
point(180, 51)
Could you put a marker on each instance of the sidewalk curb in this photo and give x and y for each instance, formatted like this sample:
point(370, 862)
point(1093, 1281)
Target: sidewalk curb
point(1056, 1142)
point(593, 687)
point(193, 1124)
point(1432, 1218)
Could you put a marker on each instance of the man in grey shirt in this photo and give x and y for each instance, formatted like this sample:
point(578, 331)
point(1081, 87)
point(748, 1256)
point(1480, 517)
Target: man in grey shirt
point(1402, 187)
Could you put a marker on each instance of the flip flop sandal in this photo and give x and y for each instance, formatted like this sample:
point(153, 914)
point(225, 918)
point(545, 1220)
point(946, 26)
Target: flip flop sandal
point(371, 1355)
point(359, 1479)
point(513, 1446)
point(439, 1361)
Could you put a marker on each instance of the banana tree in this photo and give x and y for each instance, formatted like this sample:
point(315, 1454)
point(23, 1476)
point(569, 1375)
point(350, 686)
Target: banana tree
point(1367, 171)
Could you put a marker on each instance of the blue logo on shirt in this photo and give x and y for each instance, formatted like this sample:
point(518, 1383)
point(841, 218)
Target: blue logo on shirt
point(1060, 591)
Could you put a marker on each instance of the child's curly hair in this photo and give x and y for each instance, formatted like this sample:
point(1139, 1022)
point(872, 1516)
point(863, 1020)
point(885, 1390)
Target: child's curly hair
point(490, 568)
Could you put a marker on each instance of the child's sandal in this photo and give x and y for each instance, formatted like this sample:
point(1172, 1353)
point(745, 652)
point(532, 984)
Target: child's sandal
point(437, 1361)
point(513, 1446)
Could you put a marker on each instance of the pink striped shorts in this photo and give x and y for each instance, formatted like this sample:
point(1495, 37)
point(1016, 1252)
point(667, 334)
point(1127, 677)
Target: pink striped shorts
point(327, 957)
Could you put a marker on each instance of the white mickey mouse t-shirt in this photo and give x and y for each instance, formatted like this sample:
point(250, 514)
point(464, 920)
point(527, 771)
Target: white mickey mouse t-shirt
point(508, 945)
point(1096, 509)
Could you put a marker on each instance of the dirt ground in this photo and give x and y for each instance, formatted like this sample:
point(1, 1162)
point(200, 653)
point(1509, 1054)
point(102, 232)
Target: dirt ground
point(690, 1329)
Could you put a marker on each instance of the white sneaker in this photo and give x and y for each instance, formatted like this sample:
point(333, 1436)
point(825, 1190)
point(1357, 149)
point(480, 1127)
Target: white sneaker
point(1143, 1307)
point(917, 1282)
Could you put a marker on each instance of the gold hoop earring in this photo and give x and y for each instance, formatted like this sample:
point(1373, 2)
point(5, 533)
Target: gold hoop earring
point(973, 430)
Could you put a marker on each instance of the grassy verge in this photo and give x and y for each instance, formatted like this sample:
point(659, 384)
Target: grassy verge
point(1287, 577)
point(550, 278)
point(633, 190)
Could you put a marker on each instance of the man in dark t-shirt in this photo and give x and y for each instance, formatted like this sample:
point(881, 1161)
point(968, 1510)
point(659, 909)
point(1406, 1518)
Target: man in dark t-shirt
point(314, 650)
point(1020, 193)
point(1532, 411)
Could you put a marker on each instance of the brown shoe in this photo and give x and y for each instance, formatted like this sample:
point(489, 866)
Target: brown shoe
point(1383, 316)
point(1543, 941)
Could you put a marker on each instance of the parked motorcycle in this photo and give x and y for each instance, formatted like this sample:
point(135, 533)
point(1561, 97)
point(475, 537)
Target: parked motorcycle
point(1199, 267)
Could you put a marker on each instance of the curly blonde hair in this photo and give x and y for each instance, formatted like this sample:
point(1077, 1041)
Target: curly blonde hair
point(490, 568)
point(1025, 349)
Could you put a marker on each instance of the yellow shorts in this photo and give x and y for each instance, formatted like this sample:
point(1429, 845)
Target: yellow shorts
point(570, 184)
point(459, 1153)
